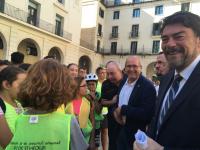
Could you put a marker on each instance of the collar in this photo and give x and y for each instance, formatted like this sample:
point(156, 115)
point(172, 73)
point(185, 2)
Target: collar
point(130, 84)
point(188, 70)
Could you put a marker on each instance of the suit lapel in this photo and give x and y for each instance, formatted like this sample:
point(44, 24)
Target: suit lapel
point(184, 93)
point(165, 83)
point(134, 91)
point(163, 89)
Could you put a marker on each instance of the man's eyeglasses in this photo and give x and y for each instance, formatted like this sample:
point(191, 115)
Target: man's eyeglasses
point(132, 66)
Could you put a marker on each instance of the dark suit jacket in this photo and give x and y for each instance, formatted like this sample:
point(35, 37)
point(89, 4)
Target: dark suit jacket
point(138, 112)
point(181, 126)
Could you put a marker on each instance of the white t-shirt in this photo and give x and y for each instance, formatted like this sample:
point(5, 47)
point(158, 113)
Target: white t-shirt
point(1, 111)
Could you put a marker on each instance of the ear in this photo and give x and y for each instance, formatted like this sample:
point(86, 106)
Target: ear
point(198, 42)
point(125, 68)
point(6, 85)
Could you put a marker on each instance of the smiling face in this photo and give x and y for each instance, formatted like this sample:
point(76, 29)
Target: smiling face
point(102, 74)
point(73, 70)
point(180, 45)
point(133, 68)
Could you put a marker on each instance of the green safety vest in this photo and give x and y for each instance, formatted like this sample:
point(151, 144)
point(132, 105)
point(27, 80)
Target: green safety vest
point(98, 89)
point(12, 114)
point(42, 132)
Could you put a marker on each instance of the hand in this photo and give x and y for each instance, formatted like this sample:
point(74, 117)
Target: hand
point(92, 146)
point(92, 106)
point(124, 120)
point(92, 143)
point(122, 117)
point(98, 107)
point(93, 95)
point(102, 101)
point(152, 145)
point(89, 97)
point(118, 117)
point(114, 99)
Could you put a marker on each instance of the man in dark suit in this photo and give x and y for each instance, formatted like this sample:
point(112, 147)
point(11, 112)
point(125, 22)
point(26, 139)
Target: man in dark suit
point(136, 103)
point(177, 121)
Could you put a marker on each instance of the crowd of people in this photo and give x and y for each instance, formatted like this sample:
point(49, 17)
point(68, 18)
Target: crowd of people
point(59, 101)
point(51, 106)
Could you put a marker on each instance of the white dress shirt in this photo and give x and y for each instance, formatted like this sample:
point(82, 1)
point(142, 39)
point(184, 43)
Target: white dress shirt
point(125, 93)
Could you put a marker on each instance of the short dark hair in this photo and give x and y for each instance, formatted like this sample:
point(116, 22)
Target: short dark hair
point(4, 62)
point(9, 74)
point(186, 19)
point(24, 66)
point(71, 64)
point(98, 70)
point(82, 67)
point(48, 57)
point(17, 58)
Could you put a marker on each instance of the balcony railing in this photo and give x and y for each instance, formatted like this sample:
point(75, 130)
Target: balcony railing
point(120, 52)
point(155, 32)
point(99, 50)
point(133, 34)
point(112, 3)
point(114, 35)
point(124, 52)
point(23, 16)
point(100, 34)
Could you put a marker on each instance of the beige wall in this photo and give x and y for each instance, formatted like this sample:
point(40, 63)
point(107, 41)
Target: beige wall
point(22, 5)
point(74, 20)
point(14, 32)
point(70, 11)
point(88, 36)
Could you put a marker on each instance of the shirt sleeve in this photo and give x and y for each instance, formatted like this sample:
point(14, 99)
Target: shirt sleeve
point(1, 112)
point(77, 141)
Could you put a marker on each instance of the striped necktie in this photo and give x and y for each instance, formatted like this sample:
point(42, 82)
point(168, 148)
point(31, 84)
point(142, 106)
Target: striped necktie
point(170, 98)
